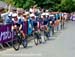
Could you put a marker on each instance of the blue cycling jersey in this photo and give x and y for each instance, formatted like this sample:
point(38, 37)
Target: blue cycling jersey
point(34, 22)
point(57, 16)
point(45, 21)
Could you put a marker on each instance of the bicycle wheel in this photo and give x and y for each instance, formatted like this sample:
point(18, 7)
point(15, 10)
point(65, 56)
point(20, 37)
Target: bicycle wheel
point(35, 38)
point(40, 39)
point(25, 43)
point(43, 38)
point(16, 44)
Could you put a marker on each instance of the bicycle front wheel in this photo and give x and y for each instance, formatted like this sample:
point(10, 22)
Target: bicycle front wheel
point(16, 44)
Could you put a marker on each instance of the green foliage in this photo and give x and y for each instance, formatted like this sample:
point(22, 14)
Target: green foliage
point(9, 2)
point(28, 4)
point(67, 6)
point(24, 3)
point(54, 5)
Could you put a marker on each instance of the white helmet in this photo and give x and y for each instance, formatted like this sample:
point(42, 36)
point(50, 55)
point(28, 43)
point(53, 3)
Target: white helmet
point(43, 14)
point(47, 14)
point(14, 15)
point(32, 15)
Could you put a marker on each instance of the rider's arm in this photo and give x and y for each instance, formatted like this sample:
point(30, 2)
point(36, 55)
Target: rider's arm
point(14, 27)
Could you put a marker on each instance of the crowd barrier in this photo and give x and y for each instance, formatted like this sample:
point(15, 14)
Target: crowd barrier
point(6, 34)
point(72, 18)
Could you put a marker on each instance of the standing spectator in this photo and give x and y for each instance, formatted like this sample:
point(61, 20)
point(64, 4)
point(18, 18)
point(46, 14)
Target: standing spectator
point(1, 11)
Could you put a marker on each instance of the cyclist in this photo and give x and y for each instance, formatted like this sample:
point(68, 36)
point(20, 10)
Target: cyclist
point(17, 26)
point(35, 27)
point(34, 21)
point(52, 22)
point(44, 24)
point(48, 23)
point(57, 20)
point(62, 20)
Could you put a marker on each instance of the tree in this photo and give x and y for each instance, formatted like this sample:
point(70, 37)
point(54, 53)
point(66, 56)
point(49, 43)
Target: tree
point(66, 5)
point(54, 5)
point(9, 2)
point(44, 3)
point(24, 3)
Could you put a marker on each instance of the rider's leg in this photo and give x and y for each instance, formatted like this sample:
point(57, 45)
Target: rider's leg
point(24, 39)
point(23, 34)
point(52, 27)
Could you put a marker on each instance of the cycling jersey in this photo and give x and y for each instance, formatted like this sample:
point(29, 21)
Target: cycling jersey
point(52, 18)
point(45, 21)
point(56, 16)
point(34, 22)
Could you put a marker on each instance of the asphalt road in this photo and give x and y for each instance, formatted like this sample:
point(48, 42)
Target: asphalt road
point(62, 44)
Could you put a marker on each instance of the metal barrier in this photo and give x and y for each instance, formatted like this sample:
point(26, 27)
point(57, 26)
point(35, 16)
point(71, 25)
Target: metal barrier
point(6, 34)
